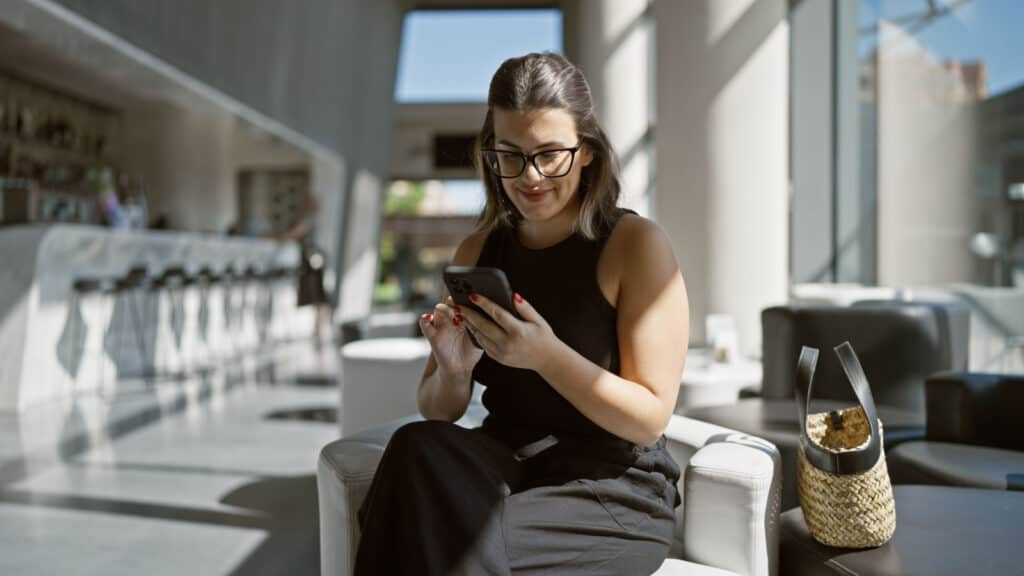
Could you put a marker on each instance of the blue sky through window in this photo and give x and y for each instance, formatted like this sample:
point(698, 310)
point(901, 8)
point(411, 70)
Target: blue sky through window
point(986, 30)
point(450, 55)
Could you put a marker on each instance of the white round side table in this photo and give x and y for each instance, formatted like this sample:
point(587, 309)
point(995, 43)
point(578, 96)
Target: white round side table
point(709, 383)
point(378, 381)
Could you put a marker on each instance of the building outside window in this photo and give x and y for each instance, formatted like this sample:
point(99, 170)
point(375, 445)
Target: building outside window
point(941, 88)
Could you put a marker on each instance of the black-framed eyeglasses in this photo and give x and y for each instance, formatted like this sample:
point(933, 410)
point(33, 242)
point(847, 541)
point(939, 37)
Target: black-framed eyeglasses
point(551, 163)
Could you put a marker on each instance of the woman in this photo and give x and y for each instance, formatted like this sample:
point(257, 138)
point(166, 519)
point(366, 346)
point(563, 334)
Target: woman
point(569, 472)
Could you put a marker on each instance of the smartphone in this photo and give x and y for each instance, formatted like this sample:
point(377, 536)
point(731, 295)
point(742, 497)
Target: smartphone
point(490, 283)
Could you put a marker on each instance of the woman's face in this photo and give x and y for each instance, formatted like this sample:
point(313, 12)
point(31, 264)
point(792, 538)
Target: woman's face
point(538, 197)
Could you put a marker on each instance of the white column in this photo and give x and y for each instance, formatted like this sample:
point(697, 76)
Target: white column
point(329, 186)
point(722, 146)
point(374, 61)
point(611, 41)
point(363, 220)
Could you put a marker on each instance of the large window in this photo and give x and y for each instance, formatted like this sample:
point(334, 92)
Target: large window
point(450, 55)
point(907, 150)
point(908, 142)
point(941, 98)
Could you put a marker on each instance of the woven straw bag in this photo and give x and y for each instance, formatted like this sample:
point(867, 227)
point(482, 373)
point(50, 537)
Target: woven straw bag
point(844, 485)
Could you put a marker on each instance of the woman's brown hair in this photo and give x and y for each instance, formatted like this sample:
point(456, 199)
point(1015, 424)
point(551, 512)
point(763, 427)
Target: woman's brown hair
point(547, 80)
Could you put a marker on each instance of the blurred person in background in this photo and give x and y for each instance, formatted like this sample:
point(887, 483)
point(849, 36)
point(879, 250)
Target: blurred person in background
point(310, 287)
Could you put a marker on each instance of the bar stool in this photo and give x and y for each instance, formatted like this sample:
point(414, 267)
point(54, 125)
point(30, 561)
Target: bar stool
point(272, 280)
point(231, 280)
point(205, 278)
point(129, 289)
point(186, 283)
point(250, 294)
point(258, 279)
point(82, 290)
point(172, 282)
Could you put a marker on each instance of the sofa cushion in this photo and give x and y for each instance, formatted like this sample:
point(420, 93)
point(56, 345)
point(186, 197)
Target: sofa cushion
point(956, 464)
point(674, 567)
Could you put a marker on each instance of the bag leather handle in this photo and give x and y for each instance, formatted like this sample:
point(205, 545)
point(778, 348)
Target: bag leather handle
point(854, 461)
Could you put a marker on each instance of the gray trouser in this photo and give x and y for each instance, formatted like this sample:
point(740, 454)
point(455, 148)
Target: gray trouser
point(450, 500)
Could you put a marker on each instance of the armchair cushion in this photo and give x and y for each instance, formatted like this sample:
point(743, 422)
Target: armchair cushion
point(948, 464)
point(675, 567)
point(974, 437)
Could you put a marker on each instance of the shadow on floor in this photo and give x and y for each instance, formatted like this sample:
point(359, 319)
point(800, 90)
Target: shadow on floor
point(290, 506)
point(325, 414)
point(285, 507)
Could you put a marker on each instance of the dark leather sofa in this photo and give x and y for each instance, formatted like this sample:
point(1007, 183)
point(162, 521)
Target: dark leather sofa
point(974, 434)
point(900, 344)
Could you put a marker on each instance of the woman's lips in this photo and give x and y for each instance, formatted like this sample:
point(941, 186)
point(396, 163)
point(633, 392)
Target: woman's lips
point(534, 196)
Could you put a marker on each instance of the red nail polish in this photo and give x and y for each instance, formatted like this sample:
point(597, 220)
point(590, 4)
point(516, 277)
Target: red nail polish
point(425, 317)
point(456, 308)
point(518, 297)
point(457, 320)
point(474, 297)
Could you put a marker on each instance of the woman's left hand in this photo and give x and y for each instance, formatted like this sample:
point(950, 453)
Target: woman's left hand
point(525, 343)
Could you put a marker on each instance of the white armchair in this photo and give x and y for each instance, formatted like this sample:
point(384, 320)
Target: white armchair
point(726, 526)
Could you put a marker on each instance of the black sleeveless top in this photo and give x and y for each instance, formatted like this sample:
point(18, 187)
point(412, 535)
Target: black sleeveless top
point(560, 281)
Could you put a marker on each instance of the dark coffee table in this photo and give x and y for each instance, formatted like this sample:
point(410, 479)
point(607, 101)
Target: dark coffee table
point(940, 531)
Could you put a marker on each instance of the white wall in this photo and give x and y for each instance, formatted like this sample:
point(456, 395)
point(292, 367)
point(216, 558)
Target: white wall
point(188, 162)
point(186, 165)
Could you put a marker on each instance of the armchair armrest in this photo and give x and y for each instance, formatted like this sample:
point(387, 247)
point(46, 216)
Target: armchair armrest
point(732, 492)
point(344, 474)
point(343, 477)
point(975, 408)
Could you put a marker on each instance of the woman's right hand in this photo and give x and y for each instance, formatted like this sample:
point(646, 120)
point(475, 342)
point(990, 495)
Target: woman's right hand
point(453, 350)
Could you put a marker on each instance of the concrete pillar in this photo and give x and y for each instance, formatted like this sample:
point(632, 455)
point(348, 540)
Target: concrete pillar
point(722, 146)
point(611, 40)
point(373, 66)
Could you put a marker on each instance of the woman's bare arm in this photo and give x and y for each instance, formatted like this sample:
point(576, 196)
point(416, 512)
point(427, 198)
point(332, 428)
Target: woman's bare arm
point(444, 395)
point(653, 330)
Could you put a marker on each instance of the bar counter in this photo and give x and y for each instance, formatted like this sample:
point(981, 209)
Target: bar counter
point(59, 339)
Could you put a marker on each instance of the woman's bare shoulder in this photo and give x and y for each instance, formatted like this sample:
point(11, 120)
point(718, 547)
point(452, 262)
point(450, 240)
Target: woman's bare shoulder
point(635, 235)
point(634, 244)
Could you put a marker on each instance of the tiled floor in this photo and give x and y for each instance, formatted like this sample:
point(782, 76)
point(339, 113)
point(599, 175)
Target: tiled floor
point(214, 476)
